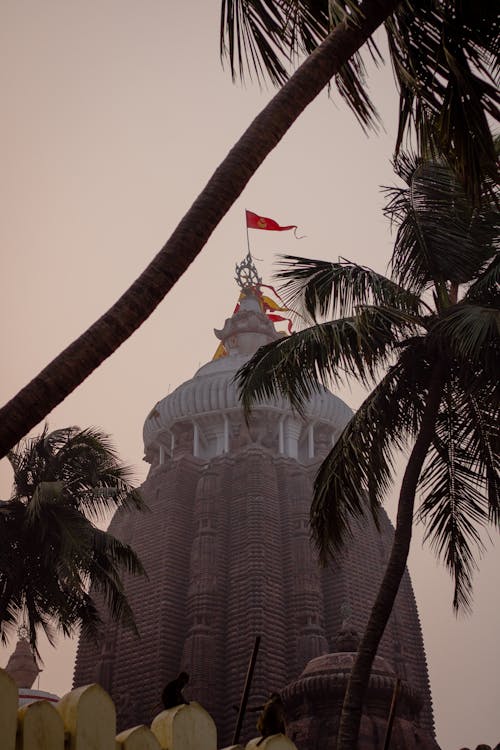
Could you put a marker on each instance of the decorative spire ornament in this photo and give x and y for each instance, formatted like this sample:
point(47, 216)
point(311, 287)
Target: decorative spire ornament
point(247, 276)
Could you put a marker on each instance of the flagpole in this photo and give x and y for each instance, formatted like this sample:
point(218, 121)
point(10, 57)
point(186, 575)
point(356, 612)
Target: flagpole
point(248, 237)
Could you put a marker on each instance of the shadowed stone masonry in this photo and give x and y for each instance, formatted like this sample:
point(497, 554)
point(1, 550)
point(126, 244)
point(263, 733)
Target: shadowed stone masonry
point(227, 551)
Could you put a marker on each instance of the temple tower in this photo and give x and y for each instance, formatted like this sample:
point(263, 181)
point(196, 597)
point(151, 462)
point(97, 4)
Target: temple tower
point(227, 551)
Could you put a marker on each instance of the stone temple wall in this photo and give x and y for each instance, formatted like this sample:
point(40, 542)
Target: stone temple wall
point(227, 551)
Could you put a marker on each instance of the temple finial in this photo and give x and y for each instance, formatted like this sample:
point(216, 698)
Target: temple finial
point(247, 276)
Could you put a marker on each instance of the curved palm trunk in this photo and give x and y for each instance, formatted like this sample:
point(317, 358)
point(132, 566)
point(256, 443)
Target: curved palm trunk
point(87, 352)
point(382, 607)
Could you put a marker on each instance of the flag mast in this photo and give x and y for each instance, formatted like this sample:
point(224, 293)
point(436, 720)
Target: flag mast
point(248, 236)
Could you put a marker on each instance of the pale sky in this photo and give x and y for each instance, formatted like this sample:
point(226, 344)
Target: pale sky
point(115, 114)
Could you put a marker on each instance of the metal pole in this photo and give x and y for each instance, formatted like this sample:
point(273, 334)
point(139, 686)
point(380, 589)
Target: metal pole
point(246, 691)
point(392, 712)
point(248, 237)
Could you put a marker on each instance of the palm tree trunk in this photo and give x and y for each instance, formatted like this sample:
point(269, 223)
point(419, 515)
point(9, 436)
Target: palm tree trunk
point(358, 683)
point(85, 354)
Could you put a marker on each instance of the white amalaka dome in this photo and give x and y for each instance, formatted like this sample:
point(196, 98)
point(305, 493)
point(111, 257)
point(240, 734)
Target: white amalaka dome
point(205, 409)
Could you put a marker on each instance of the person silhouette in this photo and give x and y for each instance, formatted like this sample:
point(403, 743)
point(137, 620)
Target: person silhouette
point(172, 692)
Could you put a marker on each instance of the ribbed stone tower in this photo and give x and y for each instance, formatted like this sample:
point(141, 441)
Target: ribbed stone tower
point(227, 551)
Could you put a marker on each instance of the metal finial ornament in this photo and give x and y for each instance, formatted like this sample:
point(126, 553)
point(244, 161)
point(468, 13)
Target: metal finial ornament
point(247, 275)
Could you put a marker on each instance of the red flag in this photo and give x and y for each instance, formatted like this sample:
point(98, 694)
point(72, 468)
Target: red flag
point(277, 318)
point(254, 221)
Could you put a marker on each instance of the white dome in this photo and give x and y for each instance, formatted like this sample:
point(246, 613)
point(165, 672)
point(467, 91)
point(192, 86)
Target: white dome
point(206, 410)
point(213, 389)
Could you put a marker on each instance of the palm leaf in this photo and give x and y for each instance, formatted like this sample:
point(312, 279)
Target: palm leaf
point(324, 289)
point(444, 55)
point(486, 288)
point(440, 238)
point(263, 37)
point(107, 550)
point(111, 557)
point(85, 461)
point(479, 409)
point(251, 38)
point(483, 445)
point(50, 551)
point(295, 366)
point(455, 505)
point(351, 80)
point(86, 614)
point(356, 475)
point(471, 333)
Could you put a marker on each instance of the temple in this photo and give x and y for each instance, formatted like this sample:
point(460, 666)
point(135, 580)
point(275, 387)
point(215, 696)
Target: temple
point(227, 550)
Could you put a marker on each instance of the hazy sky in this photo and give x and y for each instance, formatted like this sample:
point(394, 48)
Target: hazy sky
point(115, 114)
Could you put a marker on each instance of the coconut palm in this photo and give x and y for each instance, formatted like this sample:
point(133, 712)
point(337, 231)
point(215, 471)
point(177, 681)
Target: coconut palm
point(470, 99)
point(427, 338)
point(50, 548)
point(444, 54)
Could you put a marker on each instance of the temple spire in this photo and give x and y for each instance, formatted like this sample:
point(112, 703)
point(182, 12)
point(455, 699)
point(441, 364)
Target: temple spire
point(22, 665)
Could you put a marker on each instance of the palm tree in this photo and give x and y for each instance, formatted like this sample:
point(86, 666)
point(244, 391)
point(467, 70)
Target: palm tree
point(428, 338)
point(412, 34)
point(50, 548)
point(444, 54)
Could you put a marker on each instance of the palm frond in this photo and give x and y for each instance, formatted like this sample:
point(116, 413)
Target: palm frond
point(295, 366)
point(45, 494)
point(50, 551)
point(111, 553)
point(454, 484)
point(252, 39)
point(10, 608)
point(357, 473)
point(440, 237)
point(445, 57)
point(478, 409)
point(486, 288)
point(264, 38)
point(483, 447)
point(85, 612)
point(106, 578)
point(351, 80)
point(322, 289)
point(472, 334)
point(85, 461)
point(37, 617)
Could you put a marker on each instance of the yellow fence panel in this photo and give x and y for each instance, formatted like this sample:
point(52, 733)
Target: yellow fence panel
point(186, 727)
point(8, 711)
point(40, 727)
point(275, 742)
point(89, 718)
point(138, 738)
